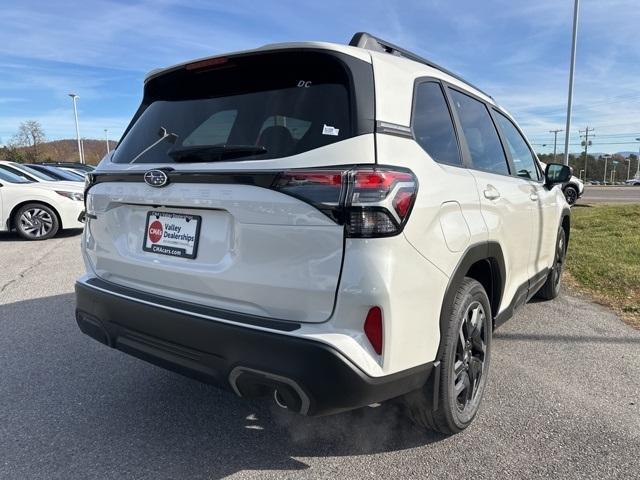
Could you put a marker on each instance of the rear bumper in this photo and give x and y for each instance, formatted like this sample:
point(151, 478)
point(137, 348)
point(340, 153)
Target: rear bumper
point(311, 377)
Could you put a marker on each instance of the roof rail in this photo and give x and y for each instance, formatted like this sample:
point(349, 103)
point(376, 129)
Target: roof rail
point(369, 42)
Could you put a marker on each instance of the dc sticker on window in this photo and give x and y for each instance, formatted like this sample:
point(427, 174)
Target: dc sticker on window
point(329, 130)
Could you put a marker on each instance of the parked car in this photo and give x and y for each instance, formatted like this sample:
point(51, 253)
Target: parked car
point(74, 165)
point(33, 175)
point(38, 210)
point(82, 173)
point(330, 225)
point(633, 181)
point(57, 172)
point(572, 189)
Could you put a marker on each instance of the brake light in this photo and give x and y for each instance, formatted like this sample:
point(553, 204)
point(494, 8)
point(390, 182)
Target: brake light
point(373, 328)
point(369, 201)
point(206, 64)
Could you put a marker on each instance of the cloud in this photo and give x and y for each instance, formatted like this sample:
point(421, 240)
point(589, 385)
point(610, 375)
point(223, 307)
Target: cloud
point(517, 51)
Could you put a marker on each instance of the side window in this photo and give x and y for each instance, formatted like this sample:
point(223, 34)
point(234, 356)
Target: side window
point(523, 159)
point(433, 126)
point(214, 130)
point(481, 135)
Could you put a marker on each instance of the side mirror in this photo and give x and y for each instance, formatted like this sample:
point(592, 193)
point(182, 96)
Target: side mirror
point(556, 173)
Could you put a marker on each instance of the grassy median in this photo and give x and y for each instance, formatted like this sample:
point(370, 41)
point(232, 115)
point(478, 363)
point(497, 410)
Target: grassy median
point(604, 256)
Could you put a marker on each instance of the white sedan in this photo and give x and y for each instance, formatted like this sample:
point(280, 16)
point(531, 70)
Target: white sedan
point(38, 210)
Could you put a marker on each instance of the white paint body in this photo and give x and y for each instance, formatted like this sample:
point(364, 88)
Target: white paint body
point(13, 195)
point(269, 254)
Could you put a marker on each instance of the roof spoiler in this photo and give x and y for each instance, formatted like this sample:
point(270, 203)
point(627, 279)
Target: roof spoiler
point(369, 42)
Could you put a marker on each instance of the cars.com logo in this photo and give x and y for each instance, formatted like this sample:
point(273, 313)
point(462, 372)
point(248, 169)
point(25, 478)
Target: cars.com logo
point(156, 178)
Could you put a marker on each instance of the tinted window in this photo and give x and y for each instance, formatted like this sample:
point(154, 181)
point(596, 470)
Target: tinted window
point(296, 127)
point(286, 103)
point(7, 176)
point(523, 159)
point(16, 172)
point(481, 135)
point(433, 126)
point(38, 174)
point(214, 130)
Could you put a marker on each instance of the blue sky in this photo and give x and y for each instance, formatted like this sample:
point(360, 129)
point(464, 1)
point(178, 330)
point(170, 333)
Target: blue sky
point(518, 50)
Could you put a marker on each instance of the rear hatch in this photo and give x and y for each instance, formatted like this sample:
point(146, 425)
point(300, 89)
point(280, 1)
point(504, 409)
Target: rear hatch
point(223, 190)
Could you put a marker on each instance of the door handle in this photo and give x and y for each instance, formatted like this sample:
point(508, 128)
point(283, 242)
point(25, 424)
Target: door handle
point(491, 193)
point(534, 197)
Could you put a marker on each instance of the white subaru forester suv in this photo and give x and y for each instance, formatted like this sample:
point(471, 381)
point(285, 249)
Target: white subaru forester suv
point(330, 225)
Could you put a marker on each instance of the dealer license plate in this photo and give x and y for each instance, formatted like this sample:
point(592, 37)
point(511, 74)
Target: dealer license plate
point(173, 234)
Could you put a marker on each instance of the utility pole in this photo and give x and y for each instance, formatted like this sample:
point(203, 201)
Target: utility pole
point(606, 157)
point(586, 143)
point(555, 141)
point(576, 9)
point(106, 138)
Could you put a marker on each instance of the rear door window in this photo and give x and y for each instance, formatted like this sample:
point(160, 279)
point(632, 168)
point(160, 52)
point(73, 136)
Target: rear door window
point(261, 106)
point(480, 133)
point(433, 126)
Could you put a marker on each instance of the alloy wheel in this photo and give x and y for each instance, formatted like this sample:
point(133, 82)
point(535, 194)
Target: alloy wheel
point(559, 263)
point(470, 356)
point(36, 222)
point(571, 195)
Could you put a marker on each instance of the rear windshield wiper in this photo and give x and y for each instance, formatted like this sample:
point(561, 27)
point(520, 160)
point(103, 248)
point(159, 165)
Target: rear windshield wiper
point(164, 135)
point(214, 153)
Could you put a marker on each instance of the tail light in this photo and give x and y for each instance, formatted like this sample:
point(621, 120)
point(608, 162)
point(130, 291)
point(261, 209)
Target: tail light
point(373, 328)
point(371, 202)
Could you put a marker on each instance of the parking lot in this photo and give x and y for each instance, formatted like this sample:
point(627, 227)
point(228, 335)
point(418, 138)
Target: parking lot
point(562, 402)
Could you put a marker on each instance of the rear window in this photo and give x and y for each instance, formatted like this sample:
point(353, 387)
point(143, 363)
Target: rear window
point(250, 107)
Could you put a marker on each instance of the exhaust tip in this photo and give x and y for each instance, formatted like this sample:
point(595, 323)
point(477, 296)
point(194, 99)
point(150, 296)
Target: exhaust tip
point(280, 401)
point(287, 394)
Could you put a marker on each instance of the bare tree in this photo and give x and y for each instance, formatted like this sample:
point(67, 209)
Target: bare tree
point(31, 136)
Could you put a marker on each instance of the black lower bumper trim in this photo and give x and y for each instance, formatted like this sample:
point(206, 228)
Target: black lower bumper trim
point(209, 351)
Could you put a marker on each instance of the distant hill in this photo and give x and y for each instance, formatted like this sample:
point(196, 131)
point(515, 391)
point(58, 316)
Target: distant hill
point(67, 150)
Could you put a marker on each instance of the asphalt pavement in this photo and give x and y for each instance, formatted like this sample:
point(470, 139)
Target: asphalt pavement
point(562, 402)
point(612, 194)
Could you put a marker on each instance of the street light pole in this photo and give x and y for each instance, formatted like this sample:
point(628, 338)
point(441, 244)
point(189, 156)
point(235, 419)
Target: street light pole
point(606, 157)
point(638, 161)
point(576, 8)
point(75, 114)
point(106, 139)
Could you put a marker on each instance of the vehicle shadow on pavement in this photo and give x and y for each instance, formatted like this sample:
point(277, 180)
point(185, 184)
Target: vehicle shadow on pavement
point(61, 234)
point(69, 404)
point(566, 338)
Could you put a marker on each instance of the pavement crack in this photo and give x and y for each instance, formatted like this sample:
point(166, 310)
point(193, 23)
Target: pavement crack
point(28, 269)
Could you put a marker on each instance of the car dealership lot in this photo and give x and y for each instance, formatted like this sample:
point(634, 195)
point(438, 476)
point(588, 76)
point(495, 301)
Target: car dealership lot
point(562, 401)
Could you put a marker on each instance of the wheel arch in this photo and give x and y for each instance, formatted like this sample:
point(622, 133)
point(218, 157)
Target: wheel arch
point(565, 223)
point(483, 262)
point(18, 206)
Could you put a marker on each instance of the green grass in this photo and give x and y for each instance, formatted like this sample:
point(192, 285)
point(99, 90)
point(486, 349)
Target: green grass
point(604, 255)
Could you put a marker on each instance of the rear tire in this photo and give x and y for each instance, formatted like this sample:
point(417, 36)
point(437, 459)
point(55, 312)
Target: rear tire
point(465, 355)
point(551, 288)
point(36, 221)
point(571, 195)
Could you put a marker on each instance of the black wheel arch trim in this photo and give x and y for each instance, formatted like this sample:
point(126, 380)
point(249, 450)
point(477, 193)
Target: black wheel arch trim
point(488, 251)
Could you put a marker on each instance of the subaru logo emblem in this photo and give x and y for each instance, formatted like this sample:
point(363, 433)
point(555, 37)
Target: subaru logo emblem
point(156, 178)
